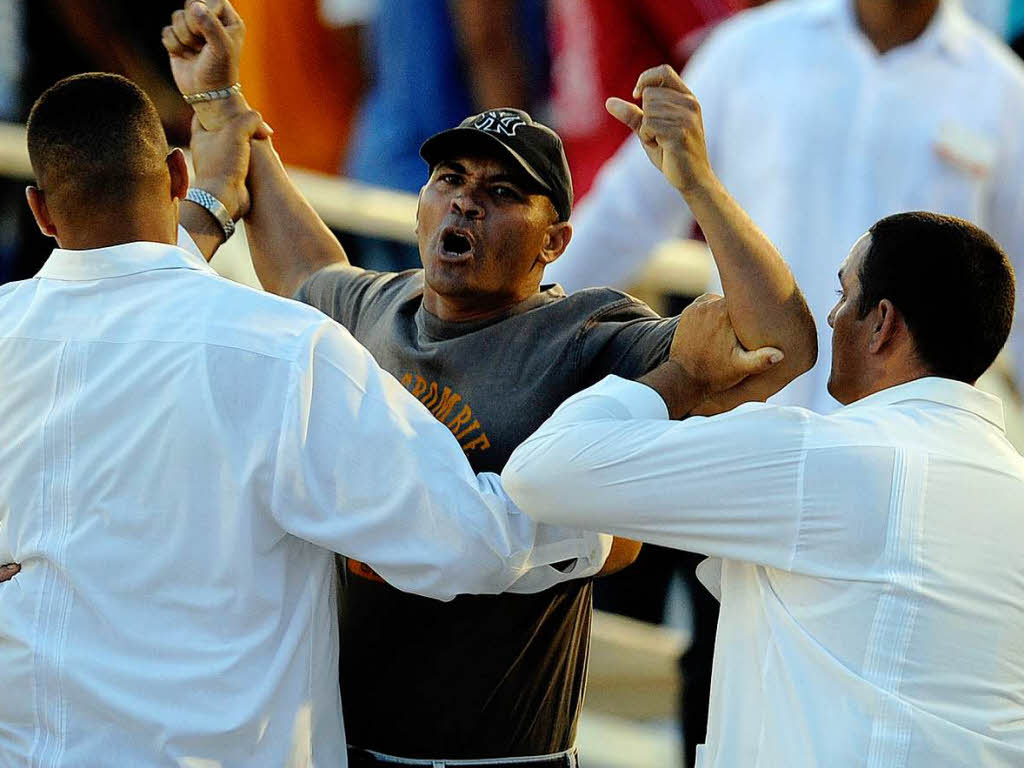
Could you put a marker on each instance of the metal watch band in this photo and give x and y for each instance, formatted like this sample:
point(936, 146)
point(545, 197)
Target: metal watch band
point(215, 207)
point(220, 93)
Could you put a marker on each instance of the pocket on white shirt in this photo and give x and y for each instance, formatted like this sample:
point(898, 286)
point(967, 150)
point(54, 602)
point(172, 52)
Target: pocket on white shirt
point(965, 149)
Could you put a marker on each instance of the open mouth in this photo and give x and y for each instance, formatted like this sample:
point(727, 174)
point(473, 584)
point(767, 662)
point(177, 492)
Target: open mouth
point(456, 244)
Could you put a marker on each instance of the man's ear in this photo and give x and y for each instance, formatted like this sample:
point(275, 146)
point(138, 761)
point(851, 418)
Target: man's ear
point(556, 240)
point(37, 202)
point(419, 200)
point(887, 324)
point(178, 169)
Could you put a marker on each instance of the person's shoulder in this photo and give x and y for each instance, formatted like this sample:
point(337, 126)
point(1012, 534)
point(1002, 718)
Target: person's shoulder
point(342, 275)
point(765, 23)
point(250, 320)
point(15, 299)
point(1000, 66)
point(605, 304)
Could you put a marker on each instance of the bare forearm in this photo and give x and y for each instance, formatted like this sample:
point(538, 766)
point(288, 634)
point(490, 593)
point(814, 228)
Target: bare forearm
point(288, 240)
point(765, 305)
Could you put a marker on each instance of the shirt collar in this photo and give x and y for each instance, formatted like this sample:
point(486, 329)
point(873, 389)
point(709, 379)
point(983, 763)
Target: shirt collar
point(118, 261)
point(955, 394)
point(946, 31)
point(441, 330)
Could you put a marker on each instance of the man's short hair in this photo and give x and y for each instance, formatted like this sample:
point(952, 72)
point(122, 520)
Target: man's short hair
point(95, 135)
point(951, 281)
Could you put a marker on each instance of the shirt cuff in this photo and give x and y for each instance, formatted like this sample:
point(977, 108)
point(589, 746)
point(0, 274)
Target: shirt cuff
point(639, 400)
point(598, 546)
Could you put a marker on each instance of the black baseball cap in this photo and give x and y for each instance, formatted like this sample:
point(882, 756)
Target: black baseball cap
point(513, 135)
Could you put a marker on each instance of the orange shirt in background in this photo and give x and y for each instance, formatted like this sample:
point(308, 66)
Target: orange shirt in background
point(303, 78)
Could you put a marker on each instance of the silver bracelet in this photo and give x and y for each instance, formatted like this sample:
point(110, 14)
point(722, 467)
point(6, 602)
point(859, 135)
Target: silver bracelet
point(215, 207)
point(220, 93)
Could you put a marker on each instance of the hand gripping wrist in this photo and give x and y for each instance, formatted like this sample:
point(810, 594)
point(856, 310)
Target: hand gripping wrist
point(681, 390)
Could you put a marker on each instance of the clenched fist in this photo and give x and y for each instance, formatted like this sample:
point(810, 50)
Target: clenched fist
point(669, 125)
point(204, 40)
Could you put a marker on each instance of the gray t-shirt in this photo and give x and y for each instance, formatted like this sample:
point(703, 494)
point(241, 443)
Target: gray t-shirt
point(480, 676)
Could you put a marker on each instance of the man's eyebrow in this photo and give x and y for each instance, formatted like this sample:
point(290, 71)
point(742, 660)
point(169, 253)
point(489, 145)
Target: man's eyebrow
point(451, 165)
point(509, 178)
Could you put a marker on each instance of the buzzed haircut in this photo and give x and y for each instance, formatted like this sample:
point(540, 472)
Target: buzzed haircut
point(94, 135)
point(951, 281)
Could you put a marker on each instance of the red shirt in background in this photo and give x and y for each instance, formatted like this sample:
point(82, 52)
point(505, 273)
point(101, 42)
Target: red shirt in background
point(599, 48)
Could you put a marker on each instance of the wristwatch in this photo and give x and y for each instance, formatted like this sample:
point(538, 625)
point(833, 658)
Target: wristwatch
point(215, 207)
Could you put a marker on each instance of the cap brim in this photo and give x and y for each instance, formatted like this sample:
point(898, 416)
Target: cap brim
point(460, 141)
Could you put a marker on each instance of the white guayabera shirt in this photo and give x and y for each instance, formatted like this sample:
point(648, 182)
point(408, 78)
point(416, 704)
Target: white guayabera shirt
point(869, 563)
point(180, 454)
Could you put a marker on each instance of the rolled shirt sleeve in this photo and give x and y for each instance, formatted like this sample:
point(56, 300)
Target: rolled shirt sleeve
point(610, 459)
point(365, 470)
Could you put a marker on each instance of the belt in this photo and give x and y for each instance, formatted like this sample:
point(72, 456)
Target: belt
point(367, 758)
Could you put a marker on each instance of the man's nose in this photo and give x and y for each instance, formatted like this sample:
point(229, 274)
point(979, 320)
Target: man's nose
point(465, 203)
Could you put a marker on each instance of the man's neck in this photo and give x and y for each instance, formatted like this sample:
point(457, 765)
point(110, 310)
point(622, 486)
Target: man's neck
point(114, 230)
point(455, 309)
point(894, 378)
point(891, 23)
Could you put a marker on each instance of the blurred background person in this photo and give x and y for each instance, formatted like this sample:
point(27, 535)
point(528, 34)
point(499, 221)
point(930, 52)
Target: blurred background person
point(432, 63)
point(597, 47)
point(1004, 17)
point(824, 116)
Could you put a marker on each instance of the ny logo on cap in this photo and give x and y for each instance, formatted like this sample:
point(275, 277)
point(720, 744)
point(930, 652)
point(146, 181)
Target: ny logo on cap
point(499, 121)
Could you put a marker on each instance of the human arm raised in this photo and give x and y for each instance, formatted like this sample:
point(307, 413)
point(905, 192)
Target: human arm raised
point(765, 304)
point(221, 160)
point(204, 42)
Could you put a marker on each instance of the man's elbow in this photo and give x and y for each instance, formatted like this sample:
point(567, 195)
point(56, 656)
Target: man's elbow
point(532, 486)
point(802, 351)
point(806, 350)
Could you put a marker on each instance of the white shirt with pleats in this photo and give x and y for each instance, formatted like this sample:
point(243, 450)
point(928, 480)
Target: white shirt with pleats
point(180, 457)
point(869, 563)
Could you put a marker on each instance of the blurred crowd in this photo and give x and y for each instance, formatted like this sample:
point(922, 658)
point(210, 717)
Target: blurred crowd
point(353, 87)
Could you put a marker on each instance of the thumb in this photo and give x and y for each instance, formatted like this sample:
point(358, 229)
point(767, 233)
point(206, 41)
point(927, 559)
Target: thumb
point(210, 26)
point(704, 298)
point(249, 124)
point(626, 112)
point(9, 571)
point(756, 361)
point(197, 126)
